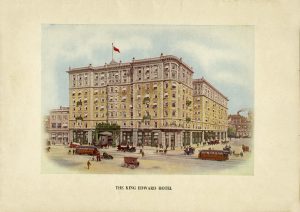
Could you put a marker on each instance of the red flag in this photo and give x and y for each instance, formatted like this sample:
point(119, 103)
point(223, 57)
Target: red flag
point(116, 49)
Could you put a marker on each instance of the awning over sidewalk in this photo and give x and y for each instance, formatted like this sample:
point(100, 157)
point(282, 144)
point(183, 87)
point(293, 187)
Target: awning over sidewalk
point(106, 133)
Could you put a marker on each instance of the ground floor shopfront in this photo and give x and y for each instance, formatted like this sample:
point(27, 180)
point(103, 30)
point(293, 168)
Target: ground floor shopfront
point(58, 137)
point(145, 137)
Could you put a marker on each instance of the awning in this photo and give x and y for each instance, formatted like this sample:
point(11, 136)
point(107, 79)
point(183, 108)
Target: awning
point(106, 133)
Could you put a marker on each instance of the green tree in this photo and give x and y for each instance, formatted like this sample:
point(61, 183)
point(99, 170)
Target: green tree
point(231, 132)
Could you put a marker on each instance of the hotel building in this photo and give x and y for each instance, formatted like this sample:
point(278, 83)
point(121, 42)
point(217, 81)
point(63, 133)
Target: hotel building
point(210, 110)
point(153, 100)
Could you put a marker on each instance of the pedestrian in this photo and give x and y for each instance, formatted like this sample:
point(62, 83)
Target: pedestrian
point(73, 151)
point(143, 153)
point(88, 164)
point(69, 151)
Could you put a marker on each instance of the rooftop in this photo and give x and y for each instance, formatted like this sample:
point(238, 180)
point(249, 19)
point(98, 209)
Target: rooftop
point(114, 64)
point(202, 80)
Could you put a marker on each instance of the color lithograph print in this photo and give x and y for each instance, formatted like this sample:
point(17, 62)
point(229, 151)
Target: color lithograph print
point(138, 99)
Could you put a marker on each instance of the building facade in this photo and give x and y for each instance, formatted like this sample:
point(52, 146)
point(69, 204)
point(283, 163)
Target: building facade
point(210, 110)
point(242, 125)
point(151, 99)
point(58, 126)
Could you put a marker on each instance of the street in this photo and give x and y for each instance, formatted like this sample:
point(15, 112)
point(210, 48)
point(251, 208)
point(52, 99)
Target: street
point(58, 160)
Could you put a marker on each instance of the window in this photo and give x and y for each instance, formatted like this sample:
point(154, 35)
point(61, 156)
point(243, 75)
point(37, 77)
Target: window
point(53, 125)
point(173, 113)
point(166, 85)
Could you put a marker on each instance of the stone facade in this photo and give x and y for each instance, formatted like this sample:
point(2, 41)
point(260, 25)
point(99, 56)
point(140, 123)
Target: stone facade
point(57, 126)
point(241, 124)
point(151, 99)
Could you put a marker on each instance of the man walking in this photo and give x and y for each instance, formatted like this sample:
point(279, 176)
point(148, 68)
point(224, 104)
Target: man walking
point(88, 164)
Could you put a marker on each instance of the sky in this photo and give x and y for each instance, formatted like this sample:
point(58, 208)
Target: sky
point(223, 55)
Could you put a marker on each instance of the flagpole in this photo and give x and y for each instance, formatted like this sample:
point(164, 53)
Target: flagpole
point(112, 51)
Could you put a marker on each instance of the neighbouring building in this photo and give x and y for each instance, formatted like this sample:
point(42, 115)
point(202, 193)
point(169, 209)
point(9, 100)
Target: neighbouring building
point(58, 126)
point(242, 125)
point(153, 100)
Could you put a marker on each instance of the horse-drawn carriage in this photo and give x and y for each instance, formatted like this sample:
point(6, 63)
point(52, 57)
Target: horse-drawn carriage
point(227, 149)
point(161, 151)
point(245, 148)
point(130, 162)
point(126, 148)
point(213, 142)
point(189, 150)
point(107, 156)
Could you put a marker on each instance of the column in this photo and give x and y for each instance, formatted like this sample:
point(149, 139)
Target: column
point(169, 139)
point(176, 139)
point(120, 137)
point(134, 137)
point(163, 138)
point(219, 135)
point(70, 136)
point(159, 139)
point(202, 136)
point(191, 138)
point(90, 137)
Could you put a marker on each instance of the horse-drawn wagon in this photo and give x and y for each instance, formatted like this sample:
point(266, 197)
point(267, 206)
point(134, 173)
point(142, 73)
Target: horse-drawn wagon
point(130, 162)
point(245, 148)
point(126, 148)
point(189, 150)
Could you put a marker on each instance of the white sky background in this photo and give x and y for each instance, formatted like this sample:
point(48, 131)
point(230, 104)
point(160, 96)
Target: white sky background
point(224, 55)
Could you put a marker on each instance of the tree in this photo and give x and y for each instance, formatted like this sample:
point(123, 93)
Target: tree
point(231, 132)
point(106, 127)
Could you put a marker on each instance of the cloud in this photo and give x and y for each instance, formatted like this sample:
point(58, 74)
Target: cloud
point(223, 55)
point(228, 65)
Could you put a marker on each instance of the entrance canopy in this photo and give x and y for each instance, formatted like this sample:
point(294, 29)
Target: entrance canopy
point(106, 133)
